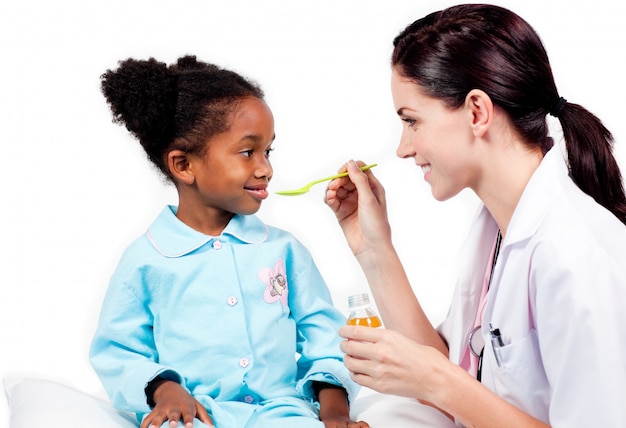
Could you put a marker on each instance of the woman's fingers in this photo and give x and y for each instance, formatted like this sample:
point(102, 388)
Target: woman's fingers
point(361, 333)
point(360, 348)
point(360, 179)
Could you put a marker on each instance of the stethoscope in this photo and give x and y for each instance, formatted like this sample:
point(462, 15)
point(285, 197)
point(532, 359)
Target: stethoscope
point(476, 342)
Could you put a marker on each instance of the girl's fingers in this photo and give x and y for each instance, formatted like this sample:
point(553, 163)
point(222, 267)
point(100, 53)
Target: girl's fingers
point(187, 418)
point(203, 415)
point(155, 422)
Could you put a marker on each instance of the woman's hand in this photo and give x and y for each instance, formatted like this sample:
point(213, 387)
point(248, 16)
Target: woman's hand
point(391, 363)
point(388, 362)
point(174, 403)
point(358, 202)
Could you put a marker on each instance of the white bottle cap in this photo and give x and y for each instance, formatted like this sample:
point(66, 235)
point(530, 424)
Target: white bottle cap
point(358, 300)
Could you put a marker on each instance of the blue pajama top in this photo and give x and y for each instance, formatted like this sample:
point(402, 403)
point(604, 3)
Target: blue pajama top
point(224, 316)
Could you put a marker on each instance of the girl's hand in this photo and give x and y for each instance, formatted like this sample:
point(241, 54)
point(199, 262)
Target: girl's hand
point(174, 403)
point(388, 362)
point(344, 423)
point(334, 409)
point(358, 202)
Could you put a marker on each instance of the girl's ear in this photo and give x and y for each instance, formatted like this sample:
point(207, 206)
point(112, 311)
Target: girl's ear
point(480, 106)
point(180, 167)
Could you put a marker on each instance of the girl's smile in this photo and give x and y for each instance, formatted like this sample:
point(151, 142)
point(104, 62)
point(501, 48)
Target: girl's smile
point(235, 171)
point(232, 175)
point(260, 192)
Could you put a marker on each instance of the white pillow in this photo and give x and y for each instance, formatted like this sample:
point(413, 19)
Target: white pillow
point(40, 403)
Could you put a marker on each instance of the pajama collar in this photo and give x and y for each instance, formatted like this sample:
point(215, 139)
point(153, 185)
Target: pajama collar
point(173, 238)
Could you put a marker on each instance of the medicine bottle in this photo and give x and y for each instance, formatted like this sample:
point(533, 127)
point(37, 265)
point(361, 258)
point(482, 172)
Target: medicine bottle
point(361, 312)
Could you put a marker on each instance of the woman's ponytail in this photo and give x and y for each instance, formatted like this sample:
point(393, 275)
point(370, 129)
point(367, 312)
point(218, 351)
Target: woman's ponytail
point(592, 164)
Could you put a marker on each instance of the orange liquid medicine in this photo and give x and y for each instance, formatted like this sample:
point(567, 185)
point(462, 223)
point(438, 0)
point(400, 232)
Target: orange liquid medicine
point(361, 312)
point(372, 321)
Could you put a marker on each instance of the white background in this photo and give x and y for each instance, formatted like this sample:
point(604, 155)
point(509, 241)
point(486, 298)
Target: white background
point(76, 189)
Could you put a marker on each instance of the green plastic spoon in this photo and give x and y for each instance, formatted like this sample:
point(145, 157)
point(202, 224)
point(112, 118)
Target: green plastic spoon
point(305, 189)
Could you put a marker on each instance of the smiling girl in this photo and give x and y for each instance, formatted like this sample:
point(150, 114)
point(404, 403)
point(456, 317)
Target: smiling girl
point(207, 310)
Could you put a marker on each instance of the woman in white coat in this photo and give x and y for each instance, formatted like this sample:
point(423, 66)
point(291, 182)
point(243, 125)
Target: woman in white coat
point(536, 333)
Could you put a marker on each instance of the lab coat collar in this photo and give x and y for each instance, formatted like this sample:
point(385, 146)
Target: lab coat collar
point(478, 246)
point(173, 238)
point(541, 191)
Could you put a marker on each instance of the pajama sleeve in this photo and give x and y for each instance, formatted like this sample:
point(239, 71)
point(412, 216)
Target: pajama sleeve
point(317, 322)
point(122, 351)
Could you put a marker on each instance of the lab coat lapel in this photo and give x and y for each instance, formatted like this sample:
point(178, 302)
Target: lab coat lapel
point(474, 260)
point(540, 192)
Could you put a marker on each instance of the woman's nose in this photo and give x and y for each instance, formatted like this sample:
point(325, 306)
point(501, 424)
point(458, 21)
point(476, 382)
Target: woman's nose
point(405, 148)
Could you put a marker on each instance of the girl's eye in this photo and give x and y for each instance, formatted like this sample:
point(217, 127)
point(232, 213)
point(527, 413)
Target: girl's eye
point(250, 152)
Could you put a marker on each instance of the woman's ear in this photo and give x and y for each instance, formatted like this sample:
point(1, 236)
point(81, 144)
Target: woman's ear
point(180, 167)
point(480, 106)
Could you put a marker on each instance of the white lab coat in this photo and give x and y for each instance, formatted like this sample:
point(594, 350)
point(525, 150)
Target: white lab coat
point(558, 296)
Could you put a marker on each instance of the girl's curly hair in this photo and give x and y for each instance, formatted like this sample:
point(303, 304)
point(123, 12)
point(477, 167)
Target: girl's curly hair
point(180, 106)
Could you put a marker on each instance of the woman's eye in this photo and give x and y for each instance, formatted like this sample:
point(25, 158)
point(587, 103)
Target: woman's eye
point(247, 153)
point(268, 151)
point(410, 122)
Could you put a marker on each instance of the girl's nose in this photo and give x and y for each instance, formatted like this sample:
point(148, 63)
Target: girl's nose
point(264, 169)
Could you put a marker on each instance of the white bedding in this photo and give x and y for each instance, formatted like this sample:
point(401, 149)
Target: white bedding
point(45, 403)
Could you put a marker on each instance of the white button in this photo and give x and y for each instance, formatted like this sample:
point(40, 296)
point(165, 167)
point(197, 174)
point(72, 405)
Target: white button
point(217, 244)
point(244, 362)
point(232, 301)
point(248, 399)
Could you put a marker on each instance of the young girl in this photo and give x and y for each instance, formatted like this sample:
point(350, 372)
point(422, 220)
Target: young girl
point(206, 311)
point(536, 332)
